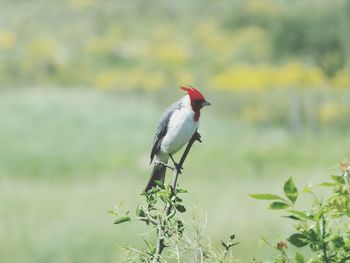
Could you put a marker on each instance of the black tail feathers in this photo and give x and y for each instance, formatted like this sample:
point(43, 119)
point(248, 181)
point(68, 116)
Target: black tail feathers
point(158, 173)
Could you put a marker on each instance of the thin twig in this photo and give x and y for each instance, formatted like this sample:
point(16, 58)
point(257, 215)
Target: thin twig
point(160, 240)
point(324, 244)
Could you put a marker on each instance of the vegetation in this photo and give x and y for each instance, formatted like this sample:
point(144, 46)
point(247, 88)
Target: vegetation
point(323, 227)
point(83, 83)
point(254, 45)
point(68, 155)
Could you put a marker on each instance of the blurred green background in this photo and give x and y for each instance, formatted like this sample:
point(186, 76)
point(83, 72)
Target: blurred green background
point(83, 84)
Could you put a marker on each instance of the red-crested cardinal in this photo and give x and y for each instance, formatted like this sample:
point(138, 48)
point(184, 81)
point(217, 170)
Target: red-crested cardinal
point(176, 127)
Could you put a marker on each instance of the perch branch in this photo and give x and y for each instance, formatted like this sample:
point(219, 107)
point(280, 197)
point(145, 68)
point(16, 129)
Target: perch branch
point(160, 240)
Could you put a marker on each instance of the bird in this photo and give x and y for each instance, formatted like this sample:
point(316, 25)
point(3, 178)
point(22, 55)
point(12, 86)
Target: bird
point(176, 127)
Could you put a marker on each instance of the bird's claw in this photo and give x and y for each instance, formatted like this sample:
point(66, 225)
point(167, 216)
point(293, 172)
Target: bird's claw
point(197, 137)
point(177, 168)
point(164, 164)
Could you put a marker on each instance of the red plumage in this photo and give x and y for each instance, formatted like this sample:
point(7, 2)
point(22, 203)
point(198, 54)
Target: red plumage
point(193, 93)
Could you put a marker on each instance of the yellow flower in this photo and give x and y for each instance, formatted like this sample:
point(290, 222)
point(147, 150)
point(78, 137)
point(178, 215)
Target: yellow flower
point(172, 53)
point(329, 112)
point(7, 39)
point(125, 79)
point(341, 79)
point(43, 46)
point(253, 114)
point(256, 78)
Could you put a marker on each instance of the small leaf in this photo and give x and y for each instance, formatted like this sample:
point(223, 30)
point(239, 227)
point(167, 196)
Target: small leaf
point(180, 208)
point(278, 205)
point(140, 212)
point(171, 214)
point(298, 240)
point(327, 184)
point(266, 197)
point(163, 198)
point(232, 237)
point(299, 214)
point(338, 242)
point(180, 227)
point(122, 219)
point(338, 179)
point(180, 191)
point(292, 217)
point(299, 258)
point(290, 190)
point(307, 189)
point(160, 184)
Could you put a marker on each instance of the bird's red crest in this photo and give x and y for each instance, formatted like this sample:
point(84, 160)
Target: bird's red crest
point(193, 93)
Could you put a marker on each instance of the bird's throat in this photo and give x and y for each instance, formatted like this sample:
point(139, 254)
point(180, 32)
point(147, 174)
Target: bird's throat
point(197, 114)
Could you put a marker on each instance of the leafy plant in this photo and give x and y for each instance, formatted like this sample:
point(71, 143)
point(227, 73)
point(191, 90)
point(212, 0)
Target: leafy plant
point(324, 227)
point(162, 214)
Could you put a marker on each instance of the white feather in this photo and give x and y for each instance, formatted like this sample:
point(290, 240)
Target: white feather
point(181, 128)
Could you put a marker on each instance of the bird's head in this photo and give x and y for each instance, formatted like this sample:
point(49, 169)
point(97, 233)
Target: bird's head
point(197, 99)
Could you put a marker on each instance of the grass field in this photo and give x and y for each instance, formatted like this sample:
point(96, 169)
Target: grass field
point(68, 156)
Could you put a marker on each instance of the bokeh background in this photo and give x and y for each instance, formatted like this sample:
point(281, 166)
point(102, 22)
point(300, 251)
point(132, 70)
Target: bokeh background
point(83, 84)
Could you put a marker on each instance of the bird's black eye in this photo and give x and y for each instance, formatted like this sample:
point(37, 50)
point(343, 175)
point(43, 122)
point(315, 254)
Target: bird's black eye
point(198, 103)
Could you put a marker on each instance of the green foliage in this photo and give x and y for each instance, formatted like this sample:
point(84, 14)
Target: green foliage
point(290, 190)
point(160, 213)
point(119, 45)
point(324, 227)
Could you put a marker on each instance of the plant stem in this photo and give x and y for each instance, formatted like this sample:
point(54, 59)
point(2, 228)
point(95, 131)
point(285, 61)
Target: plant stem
point(160, 240)
point(324, 248)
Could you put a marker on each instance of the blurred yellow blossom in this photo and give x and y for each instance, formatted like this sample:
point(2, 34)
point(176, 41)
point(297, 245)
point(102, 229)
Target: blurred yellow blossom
point(184, 77)
point(43, 46)
point(329, 112)
point(106, 42)
point(261, 6)
point(172, 53)
point(253, 114)
point(211, 37)
point(136, 78)
point(341, 79)
point(251, 42)
point(264, 77)
point(7, 39)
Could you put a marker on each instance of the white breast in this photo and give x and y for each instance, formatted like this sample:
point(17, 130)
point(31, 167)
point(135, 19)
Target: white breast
point(181, 127)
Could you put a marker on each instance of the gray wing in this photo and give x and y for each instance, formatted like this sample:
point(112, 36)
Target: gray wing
point(163, 128)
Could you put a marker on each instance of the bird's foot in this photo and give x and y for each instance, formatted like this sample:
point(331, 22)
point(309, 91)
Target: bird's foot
point(164, 164)
point(177, 168)
point(197, 136)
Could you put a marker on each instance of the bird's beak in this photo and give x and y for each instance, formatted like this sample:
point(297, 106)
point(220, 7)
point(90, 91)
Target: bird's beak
point(205, 103)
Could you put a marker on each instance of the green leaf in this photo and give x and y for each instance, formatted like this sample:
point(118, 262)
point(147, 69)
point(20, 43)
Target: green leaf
point(338, 179)
point(180, 227)
point(122, 219)
point(180, 208)
point(298, 240)
point(140, 212)
point(278, 205)
point(338, 242)
point(290, 190)
point(299, 258)
point(171, 214)
point(180, 191)
point(299, 214)
point(318, 215)
point(266, 197)
point(292, 217)
point(160, 184)
point(327, 184)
